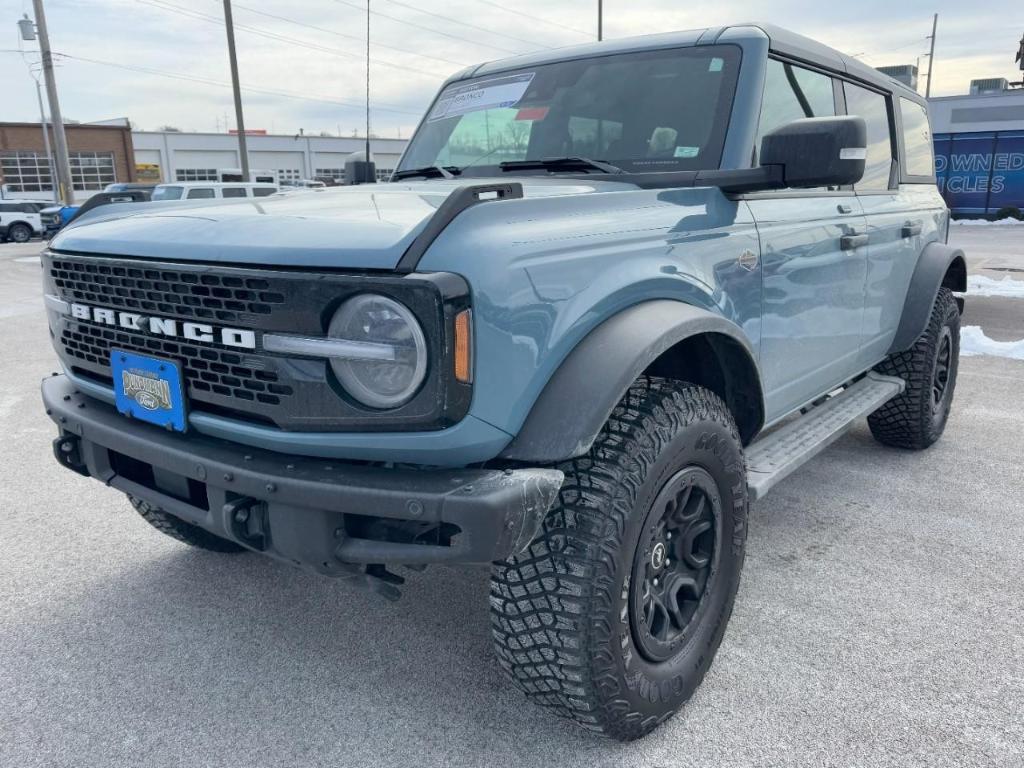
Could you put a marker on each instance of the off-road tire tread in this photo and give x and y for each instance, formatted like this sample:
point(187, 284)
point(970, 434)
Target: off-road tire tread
point(184, 532)
point(549, 604)
point(906, 420)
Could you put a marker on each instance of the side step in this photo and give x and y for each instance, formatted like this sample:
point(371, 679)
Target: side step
point(780, 453)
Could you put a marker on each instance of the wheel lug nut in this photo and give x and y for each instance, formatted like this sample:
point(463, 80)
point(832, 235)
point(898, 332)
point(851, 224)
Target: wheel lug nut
point(655, 582)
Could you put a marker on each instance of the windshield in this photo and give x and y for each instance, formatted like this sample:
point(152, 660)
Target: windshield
point(167, 193)
point(650, 111)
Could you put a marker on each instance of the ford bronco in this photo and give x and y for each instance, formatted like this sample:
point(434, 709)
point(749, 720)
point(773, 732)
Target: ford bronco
point(611, 296)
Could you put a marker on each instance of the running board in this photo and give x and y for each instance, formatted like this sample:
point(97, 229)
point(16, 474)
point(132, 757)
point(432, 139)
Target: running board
point(780, 453)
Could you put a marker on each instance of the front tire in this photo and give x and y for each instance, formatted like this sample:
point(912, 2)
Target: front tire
point(19, 233)
point(184, 532)
point(612, 616)
point(917, 418)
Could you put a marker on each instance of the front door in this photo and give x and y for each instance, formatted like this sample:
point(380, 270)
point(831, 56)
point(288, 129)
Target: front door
point(814, 266)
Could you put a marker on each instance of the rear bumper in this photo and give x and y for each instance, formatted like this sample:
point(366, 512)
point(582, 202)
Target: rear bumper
point(300, 509)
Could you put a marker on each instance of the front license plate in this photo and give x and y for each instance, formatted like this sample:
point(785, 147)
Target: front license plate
point(148, 389)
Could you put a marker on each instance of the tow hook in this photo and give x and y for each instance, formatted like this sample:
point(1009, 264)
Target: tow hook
point(66, 449)
point(247, 517)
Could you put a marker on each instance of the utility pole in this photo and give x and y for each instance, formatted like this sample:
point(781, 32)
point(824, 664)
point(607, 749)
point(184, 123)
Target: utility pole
point(63, 166)
point(600, 20)
point(931, 57)
point(243, 151)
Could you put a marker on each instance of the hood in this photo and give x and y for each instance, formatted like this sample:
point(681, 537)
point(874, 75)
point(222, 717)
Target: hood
point(366, 227)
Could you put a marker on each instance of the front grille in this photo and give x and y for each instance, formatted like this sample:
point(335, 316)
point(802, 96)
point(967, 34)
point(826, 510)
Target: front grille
point(251, 385)
point(192, 295)
point(205, 369)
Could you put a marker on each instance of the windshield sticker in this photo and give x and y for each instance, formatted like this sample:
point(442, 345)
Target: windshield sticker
point(686, 152)
point(716, 65)
point(485, 94)
point(533, 114)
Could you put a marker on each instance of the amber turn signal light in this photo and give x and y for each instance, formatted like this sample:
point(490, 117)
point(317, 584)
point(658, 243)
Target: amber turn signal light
point(463, 347)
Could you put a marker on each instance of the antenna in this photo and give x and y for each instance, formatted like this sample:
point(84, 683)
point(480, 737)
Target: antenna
point(367, 158)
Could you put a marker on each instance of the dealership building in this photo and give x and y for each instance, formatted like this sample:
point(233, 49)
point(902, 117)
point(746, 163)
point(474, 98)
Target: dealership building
point(110, 151)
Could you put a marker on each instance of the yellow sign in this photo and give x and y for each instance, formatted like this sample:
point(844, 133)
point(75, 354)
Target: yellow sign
point(148, 172)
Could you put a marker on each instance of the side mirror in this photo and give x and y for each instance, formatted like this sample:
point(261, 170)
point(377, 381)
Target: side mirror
point(818, 151)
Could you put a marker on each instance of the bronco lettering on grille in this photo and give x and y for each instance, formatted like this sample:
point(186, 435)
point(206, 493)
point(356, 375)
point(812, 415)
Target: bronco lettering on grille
point(160, 326)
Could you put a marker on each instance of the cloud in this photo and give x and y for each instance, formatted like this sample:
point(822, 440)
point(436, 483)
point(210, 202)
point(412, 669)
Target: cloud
point(315, 49)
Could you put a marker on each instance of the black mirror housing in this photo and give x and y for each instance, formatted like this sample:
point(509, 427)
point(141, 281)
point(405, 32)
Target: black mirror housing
point(818, 151)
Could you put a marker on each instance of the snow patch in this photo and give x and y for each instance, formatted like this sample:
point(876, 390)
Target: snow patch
point(973, 341)
point(980, 285)
point(1007, 222)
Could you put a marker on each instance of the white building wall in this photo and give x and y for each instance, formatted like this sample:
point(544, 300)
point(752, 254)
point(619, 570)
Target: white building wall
point(973, 114)
point(174, 151)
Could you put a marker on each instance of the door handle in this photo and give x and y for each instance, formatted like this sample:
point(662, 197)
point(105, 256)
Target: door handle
point(844, 208)
point(911, 229)
point(850, 242)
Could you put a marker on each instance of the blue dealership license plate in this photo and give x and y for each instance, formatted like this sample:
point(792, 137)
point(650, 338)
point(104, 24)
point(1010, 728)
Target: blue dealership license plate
point(148, 389)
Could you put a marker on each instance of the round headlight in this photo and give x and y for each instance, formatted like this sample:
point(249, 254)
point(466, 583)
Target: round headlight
point(374, 319)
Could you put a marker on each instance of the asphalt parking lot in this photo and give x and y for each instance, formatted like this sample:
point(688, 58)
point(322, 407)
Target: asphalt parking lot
point(879, 621)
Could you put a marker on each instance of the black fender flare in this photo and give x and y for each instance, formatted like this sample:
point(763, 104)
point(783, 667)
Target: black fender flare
point(580, 396)
point(935, 262)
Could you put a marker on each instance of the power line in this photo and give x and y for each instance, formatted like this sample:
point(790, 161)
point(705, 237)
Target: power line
point(208, 81)
point(463, 23)
point(189, 13)
point(537, 18)
point(429, 29)
point(343, 35)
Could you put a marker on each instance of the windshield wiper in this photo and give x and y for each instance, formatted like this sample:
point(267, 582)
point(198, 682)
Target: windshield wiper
point(428, 171)
point(561, 164)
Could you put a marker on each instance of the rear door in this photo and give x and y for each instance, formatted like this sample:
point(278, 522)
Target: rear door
point(813, 260)
point(900, 220)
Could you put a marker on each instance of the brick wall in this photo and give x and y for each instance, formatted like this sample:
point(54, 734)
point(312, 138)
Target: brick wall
point(28, 137)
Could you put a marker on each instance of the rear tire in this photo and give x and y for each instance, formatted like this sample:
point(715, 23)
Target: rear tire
point(19, 233)
point(184, 532)
point(917, 418)
point(607, 618)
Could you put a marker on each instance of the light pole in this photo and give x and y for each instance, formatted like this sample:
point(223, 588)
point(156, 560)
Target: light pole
point(46, 138)
point(62, 168)
point(600, 20)
point(243, 151)
point(28, 32)
point(931, 57)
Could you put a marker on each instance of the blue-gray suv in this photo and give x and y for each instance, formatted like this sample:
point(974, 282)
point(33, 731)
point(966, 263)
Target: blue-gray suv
point(612, 294)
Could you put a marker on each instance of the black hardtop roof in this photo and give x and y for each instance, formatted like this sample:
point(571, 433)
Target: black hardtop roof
point(781, 41)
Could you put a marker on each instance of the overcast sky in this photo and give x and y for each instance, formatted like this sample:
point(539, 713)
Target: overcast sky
point(164, 62)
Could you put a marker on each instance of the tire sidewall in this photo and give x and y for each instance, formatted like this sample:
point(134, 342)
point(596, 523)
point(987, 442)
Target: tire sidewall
point(948, 320)
point(659, 688)
point(16, 228)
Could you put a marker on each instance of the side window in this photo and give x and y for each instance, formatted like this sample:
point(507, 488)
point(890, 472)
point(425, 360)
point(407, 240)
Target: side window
point(6, 207)
point(790, 93)
point(263, 191)
point(200, 194)
point(873, 108)
point(917, 139)
point(234, 192)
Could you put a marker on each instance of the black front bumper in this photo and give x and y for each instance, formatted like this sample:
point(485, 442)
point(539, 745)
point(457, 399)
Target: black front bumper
point(299, 509)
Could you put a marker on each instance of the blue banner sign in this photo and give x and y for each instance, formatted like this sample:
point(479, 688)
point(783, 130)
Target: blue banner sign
point(979, 173)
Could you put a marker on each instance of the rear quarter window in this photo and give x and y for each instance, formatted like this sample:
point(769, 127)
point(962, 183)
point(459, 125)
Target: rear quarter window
point(918, 151)
point(234, 192)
